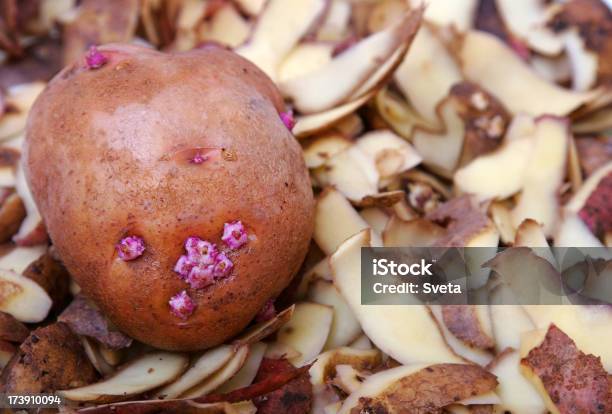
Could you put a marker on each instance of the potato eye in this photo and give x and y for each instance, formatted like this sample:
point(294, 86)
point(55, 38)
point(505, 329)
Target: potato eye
point(181, 305)
point(94, 58)
point(234, 235)
point(288, 120)
point(130, 248)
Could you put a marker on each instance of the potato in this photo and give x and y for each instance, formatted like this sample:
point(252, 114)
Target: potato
point(50, 359)
point(150, 149)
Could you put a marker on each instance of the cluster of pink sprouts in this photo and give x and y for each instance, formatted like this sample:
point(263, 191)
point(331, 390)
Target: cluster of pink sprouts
point(201, 266)
point(204, 263)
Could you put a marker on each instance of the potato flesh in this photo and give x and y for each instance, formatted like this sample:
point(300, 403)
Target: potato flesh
point(307, 331)
point(23, 298)
point(494, 66)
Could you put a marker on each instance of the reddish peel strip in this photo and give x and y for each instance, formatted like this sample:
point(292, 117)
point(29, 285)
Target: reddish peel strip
point(130, 248)
point(273, 381)
point(574, 381)
point(596, 212)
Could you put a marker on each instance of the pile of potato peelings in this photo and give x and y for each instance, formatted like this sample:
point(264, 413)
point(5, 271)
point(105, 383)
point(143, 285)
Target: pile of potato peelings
point(464, 123)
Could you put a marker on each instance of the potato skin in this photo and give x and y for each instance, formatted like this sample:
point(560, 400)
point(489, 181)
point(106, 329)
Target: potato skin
point(53, 277)
point(107, 155)
point(50, 359)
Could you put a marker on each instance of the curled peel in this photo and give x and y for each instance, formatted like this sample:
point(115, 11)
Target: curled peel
point(337, 82)
point(493, 65)
point(419, 388)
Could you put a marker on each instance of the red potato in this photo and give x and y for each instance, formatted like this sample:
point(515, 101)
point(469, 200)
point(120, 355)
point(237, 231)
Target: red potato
point(130, 152)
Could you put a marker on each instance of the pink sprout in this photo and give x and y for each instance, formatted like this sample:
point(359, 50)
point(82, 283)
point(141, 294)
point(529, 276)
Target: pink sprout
point(288, 120)
point(234, 235)
point(130, 248)
point(223, 266)
point(181, 305)
point(198, 159)
point(94, 58)
point(267, 312)
point(183, 266)
point(201, 276)
point(201, 251)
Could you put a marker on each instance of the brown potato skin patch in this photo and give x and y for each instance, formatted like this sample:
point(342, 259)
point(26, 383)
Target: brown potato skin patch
point(485, 117)
point(596, 212)
point(11, 329)
point(462, 219)
point(576, 382)
point(294, 397)
point(99, 23)
point(593, 19)
point(51, 358)
point(86, 320)
point(463, 322)
point(53, 277)
point(99, 160)
point(360, 363)
point(429, 390)
point(593, 152)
